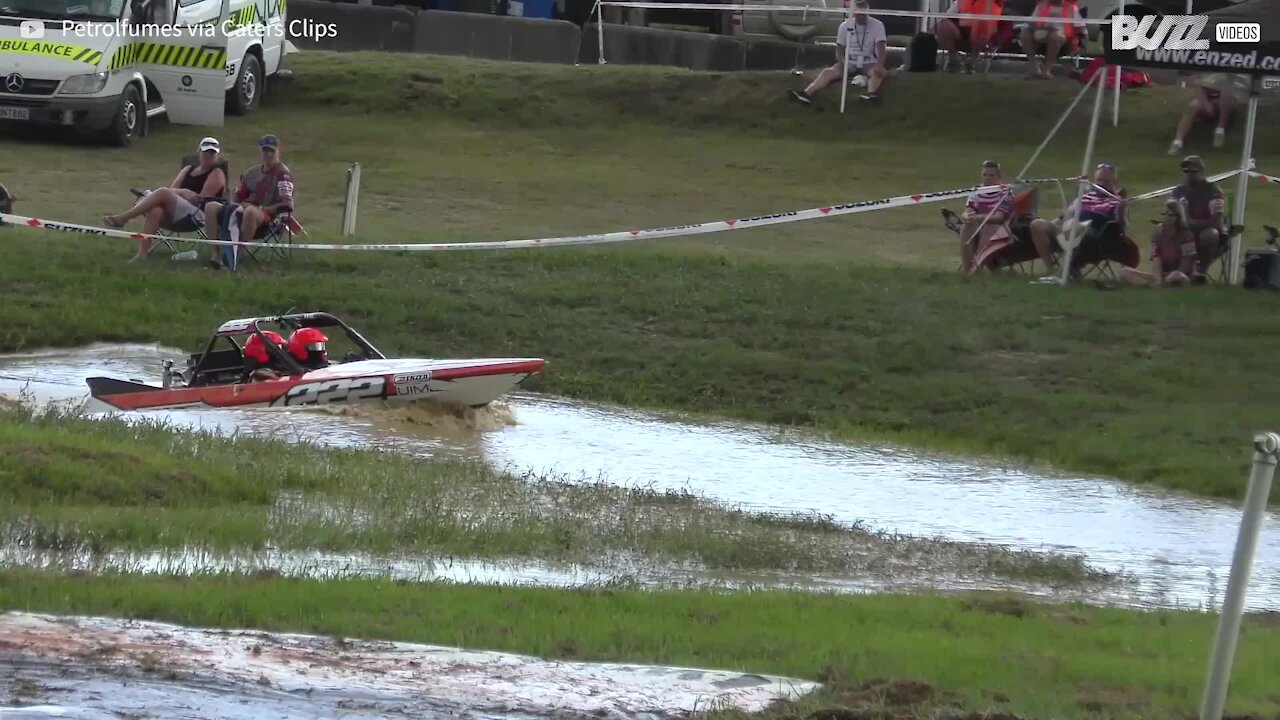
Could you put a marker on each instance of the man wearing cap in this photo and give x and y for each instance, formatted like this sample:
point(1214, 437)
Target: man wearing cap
point(862, 45)
point(177, 207)
point(265, 189)
point(1205, 206)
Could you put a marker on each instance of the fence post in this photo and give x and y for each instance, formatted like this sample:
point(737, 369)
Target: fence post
point(352, 200)
point(1265, 449)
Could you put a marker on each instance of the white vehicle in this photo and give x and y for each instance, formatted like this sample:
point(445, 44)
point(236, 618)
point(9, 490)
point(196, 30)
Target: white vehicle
point(107, 66)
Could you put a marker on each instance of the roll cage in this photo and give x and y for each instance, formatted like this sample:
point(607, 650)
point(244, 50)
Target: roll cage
point(216, 366)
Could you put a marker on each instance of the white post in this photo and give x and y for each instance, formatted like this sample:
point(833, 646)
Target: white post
point(1054, 131)
point(1242, 186)
point(600, 31)
point(1115, 119)
point(1084, 166)
point(1265, 448)
point(352, 200)
point(844, 56)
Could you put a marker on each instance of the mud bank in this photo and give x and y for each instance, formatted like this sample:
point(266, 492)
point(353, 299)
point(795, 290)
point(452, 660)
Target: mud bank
point(99, 668)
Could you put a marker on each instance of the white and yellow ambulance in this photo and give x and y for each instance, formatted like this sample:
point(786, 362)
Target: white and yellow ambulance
point(107, 66)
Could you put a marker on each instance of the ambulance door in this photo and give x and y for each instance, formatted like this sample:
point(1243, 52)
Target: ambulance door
point(187, 63)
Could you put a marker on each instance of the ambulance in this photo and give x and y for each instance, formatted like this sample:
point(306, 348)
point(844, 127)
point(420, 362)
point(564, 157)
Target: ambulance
point(106, 67)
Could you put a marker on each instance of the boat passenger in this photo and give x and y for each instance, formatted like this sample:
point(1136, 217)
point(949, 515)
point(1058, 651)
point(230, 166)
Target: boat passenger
point(307, 346)
point(259, 364)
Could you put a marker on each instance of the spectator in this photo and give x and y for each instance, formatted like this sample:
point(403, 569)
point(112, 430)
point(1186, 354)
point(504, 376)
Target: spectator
point(1050, 38)
point(1173, 251)
point(863, 45)
point(971, 36)
point(179, 206)
point(264, 191)
point(1204, 206)
point(1101, 208)
point(1215, 99)
point(985, 212)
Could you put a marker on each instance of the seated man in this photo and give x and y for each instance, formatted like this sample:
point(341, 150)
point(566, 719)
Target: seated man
point(1102, 207)
point(863, 45)
point(1173, 251)
point(1050, 38)
point(1214, 101)
point(985, 213)
point(259, 364)
point(1204, 205)
point(179, 206)
point(264, 191)
point(972, 36)
point(307, 346)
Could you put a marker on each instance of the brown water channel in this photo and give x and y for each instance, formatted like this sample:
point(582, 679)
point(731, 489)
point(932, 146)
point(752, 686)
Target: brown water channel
point(1178, 548)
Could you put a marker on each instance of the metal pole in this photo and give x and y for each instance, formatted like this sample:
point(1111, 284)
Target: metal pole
point(844, 56)
point(1084, 166)
point(1242, 186)
point(1061, 120)
point(1265, 448)
point(1115, 120)
point(600, 31)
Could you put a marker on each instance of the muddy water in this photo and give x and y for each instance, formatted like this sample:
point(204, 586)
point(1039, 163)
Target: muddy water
point(93, 668)
point(1178, 548)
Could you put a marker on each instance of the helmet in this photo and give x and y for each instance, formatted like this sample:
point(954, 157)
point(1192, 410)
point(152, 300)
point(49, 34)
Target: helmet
point(308, 344)
point(256, 350)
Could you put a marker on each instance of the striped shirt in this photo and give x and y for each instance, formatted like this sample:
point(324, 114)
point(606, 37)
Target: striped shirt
point(983, 202)
point(1096, 203)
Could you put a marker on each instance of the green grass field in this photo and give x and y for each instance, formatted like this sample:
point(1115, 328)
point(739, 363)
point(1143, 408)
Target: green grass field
point(70, 484)
point(915, 657)
point(857, 325)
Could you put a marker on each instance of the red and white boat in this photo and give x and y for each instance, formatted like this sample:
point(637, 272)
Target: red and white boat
point(220, 376)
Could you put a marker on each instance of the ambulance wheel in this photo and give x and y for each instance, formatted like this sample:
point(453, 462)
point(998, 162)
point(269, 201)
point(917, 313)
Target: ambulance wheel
point(248, 87)
point(128, 121)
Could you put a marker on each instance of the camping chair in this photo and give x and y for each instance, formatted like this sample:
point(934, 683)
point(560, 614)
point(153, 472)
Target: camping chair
point(1011, 247)
point(6, 202)
point(1101, 249)
point(172, 233)
point(277, 238)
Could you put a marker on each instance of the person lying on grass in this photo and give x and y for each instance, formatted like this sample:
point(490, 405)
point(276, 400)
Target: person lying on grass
point(1173, 251)
point(985, 212)
point(180, 206)
point(863, 45)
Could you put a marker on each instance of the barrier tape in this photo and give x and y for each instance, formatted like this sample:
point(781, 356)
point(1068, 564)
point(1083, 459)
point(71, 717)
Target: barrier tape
point(1265, 178)
point(1171, 188)
point(658, 5)
point(597, 239)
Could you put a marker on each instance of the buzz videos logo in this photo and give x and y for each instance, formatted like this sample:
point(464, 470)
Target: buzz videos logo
point(1176, 32)
point(31, 30)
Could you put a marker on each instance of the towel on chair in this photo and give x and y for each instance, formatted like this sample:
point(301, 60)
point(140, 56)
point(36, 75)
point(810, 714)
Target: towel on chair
point(229, 223)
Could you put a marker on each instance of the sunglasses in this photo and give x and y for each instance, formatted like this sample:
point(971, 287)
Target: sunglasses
point(1105, 166)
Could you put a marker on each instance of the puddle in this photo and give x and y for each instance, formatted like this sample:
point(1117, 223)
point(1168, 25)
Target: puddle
point(1177, 547)
point(93, 668)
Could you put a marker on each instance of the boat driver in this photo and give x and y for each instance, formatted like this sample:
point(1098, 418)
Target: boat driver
point(259, 364)
point(307, 346)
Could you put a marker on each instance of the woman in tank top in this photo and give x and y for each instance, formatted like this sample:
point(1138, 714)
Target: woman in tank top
point(180, 205)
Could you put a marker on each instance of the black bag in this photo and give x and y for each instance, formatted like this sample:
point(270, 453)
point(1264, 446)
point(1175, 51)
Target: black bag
point(1262, 270)
point(922, 53)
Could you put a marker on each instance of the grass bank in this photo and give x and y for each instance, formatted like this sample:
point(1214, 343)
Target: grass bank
point(857, 325)
point(80, 486)
point(915, 656)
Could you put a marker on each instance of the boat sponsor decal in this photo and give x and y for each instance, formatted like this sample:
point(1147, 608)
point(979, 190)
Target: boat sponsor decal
point(412, 383)
point(333, 391)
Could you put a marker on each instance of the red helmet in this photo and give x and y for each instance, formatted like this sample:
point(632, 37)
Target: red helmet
point(305, 341)
point(256, 350)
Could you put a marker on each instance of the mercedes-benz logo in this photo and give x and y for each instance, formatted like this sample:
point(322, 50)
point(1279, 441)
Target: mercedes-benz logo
point(14, 83)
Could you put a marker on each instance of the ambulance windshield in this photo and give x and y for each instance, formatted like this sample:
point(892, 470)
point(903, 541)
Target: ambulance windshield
point(64, 9)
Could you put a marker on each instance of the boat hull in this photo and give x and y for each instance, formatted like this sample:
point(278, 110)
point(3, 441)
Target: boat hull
point(470, 383)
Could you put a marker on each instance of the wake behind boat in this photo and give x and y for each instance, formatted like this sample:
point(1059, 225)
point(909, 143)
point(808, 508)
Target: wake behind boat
point(268, 370)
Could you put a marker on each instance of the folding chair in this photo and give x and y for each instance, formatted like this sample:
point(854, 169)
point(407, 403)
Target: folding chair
point(173, 232)
point(277, 238)
point(1011, 247)
point(6, 202)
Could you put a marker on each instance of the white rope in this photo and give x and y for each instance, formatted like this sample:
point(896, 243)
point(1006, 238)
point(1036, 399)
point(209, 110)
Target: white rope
point(658, 5)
